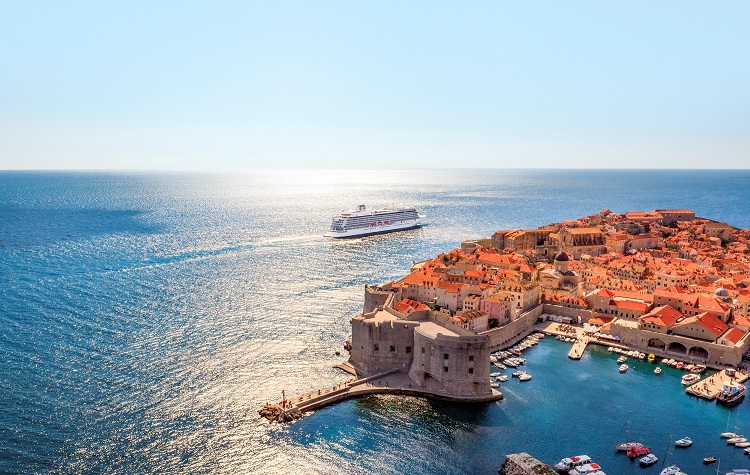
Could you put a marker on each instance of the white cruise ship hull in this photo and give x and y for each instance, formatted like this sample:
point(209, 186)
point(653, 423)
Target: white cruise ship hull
point(377, 229)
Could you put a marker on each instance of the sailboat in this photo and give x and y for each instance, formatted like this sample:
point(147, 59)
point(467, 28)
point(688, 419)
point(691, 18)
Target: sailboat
point(625, 446)
point(727, 434)
point(671, 469)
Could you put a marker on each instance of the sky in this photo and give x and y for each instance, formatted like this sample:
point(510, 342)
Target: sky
point(228, 85)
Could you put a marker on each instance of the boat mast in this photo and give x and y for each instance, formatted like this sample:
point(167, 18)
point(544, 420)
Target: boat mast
point(627, 432)
point(666, 454)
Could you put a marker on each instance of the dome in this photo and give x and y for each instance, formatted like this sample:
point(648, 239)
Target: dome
point(721, 292)
point(562, 257)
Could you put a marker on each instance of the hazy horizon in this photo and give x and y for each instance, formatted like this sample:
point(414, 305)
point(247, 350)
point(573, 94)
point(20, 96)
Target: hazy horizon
point(336, 85)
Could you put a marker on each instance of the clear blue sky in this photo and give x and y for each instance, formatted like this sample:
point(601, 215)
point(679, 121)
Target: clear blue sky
point(349, 84)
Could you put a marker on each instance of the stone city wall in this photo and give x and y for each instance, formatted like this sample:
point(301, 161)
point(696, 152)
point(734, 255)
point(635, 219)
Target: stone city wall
point(454, 365)
point(381, 346)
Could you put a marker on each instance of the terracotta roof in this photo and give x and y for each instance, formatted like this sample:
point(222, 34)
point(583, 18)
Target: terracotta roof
point(734, 335)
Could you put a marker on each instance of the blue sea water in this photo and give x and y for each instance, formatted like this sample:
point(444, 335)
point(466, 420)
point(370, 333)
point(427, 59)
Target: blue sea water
point(144, 318)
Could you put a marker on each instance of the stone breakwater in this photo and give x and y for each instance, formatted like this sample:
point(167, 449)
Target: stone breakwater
point(524, 464)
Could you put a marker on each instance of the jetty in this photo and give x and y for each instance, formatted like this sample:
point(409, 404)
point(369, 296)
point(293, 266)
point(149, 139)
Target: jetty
point(708, 388)
point(391, 382)
point(576, 352)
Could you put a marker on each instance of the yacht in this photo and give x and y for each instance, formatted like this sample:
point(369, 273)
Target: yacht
point(569, 463)
point(690, 378)
point(363, 222)
point(588, 469)
point(649, 459)
point(671, 470)
point(731, 393)
point(684, 442)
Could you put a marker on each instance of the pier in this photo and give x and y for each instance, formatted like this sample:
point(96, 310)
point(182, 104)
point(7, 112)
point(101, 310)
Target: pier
point(708, 388)
point(579, 347)
point(392, 382)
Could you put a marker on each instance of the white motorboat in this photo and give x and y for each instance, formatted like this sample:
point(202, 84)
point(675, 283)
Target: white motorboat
point(735, 440)
point(747, 451)
point(690, 378)
point(502, 378)
point(684, 442)
point(657, 370)
point(641, 356)
point(501, 366)
point(510, 362)
point(494, 385)
point(519, 373)
point(649, 459)
point(671, 470)
point(742, 445)
point(622, 359)
point(495, 374)
point(524, 377)
point(569, 463)
point(623, 368)
point(699, 368)
point(728, 435)
point(665, 360)
point(588, 469)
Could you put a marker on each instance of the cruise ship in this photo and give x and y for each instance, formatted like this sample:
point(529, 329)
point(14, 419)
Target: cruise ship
point(363, 222)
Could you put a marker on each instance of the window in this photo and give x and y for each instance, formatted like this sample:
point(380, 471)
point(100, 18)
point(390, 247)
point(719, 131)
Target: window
point(471, 358)
point(393, 348)
point(375, 348)
point(471, 370)
point(445, 356)
point(408, 349)
point(423, 350)
point(445, 369)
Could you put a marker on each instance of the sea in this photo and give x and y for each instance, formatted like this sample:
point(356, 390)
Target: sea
point(146, 317)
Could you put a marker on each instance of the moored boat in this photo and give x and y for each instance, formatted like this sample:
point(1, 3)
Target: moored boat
point(731, 393)
point(524, 377)
point(679, 365)
point(708, 460)
point(569, 463)
point(657, 370)
point(684, 442)
point(649, 459)
point(622, 359)
point(634, 452)
point(690, 378)
point(623, 368)
point(742, 445)
point(736, 440)
point(699, 368)
point(651, 358)
point(588, 469)
point(671, 470)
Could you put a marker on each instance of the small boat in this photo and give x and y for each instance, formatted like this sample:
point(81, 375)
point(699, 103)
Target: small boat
point(708, 460)
point(569, 463)
point(623, 368)
point(735, 440)
point(641, 356)
point(728, 435)
point(657, 370)
point(524, 377)
point(494, 385)
point(510, 362)
point(558, 337)
point(502, 378)
point(627, 445)
point(739, 471)
point(684, 442)
point(494, 375)
point(671, 470)
point(690, 378)
point(665, 361)
point(651, 358)
point(671, 362)
point(518, 374)
point(539, 335)
point(493, 359)
point(611, 349)
point(742, 445)
point(679, 365)
point(501, 366)
point(699, 368)
point(649, 459)
point(747, 451)
point(622, 359)
point(634, 452)
point(588, 469)
point(688, 367)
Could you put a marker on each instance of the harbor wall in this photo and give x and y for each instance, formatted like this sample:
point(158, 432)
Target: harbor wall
point(376, 296)
point(509, 334)
point(454, 365)
point(669, 345)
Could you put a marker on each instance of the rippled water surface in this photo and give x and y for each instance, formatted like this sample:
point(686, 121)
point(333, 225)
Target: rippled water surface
point(146, 317)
